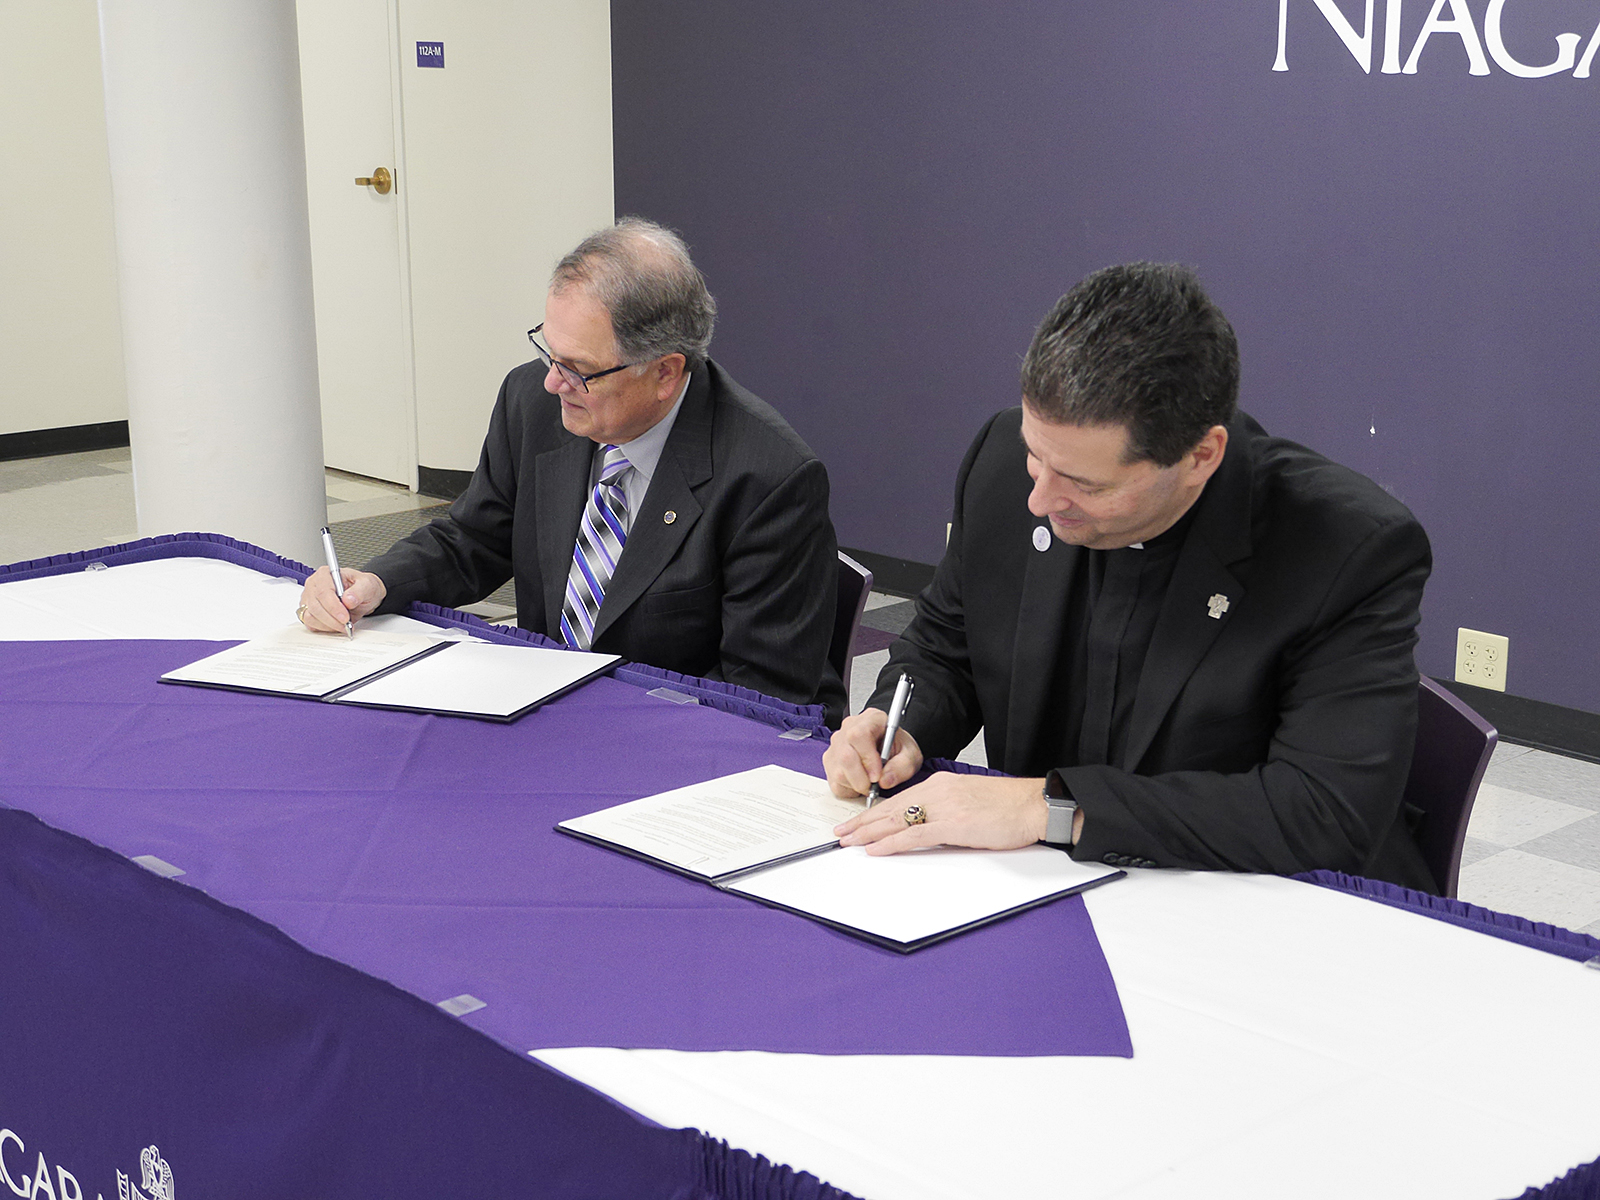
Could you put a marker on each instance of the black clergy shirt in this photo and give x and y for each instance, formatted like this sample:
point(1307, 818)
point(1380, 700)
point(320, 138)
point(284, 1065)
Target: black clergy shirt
point(1109, 616)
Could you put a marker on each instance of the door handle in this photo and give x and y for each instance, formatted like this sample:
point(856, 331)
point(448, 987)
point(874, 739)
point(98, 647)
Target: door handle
point(379, 181)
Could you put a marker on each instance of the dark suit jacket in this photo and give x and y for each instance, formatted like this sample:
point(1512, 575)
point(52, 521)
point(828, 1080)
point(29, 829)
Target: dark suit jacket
point(740, 585)
point(1274, 738)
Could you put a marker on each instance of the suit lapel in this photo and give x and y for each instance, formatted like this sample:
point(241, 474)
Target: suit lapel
point(1037, 644)
point(1186, 628)
point(653, 540)
point(562, 489)
point(1183, 633)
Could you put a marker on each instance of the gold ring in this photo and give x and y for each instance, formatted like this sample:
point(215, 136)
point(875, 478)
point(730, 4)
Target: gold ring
point(916, 815)
point(300, 614)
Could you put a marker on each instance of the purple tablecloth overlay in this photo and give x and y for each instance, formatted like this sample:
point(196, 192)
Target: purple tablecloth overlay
point(267, 1023)
point(421, 850)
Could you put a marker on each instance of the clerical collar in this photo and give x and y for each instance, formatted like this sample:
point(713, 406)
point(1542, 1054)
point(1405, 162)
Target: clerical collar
point(1170, 536)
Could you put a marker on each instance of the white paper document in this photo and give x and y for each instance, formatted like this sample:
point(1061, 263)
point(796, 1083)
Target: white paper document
point(481, 679)
point(725, 825)
point(768, 834)
point(421, 672)
point(913, 898)
point(298, 662)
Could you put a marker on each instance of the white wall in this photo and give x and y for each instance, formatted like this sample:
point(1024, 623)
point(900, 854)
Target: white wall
point(508, 155)
point(60, 330)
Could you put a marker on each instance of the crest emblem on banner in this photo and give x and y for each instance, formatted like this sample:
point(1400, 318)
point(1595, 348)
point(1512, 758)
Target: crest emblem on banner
point(156, 1178)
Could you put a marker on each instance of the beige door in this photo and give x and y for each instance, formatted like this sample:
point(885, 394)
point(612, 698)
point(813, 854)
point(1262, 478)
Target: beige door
point(349, 74)
point(509, 151)
point(502, 161)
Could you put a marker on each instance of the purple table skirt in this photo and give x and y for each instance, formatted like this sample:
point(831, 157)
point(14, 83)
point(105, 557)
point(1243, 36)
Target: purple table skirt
point(420, 849)
point(1536, 935)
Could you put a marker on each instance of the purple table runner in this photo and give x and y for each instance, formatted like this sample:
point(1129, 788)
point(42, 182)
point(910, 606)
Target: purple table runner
point(419, 849)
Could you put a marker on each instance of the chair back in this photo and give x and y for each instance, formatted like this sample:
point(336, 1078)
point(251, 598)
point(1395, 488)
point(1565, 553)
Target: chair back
point(1453, 748)
point(855, 582)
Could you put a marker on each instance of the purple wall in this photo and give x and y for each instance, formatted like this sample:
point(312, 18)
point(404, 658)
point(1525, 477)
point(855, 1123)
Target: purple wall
point(886, 197)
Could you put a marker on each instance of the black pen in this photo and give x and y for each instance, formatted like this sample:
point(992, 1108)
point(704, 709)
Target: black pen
point(897, 711)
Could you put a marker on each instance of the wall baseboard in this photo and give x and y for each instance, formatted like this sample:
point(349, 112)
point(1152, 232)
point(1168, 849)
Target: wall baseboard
point(1569, 731)
point(442, 484)
point(70, 439)
point(897, 576)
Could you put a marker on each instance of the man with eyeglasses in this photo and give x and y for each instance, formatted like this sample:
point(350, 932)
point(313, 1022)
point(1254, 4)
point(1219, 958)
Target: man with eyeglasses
point(645, 504)
point(1188, 644)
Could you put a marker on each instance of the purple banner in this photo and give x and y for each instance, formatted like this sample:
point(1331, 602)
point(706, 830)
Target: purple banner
point(1395, 204)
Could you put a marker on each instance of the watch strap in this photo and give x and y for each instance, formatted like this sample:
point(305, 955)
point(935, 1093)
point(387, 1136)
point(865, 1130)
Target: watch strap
point(1063, 808)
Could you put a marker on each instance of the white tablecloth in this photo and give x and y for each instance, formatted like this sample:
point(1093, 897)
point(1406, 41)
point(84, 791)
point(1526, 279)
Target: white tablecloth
point(1288, 1040)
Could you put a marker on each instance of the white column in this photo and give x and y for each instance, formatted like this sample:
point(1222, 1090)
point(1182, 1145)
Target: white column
point(214, 268)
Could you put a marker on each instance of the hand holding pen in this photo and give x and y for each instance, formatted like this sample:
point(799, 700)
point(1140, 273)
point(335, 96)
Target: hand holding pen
point(333, 600)
point(897, 711)
point(338, 576)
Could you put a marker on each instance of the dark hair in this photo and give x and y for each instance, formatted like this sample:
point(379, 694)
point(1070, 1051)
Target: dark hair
point(1141, 346)
point(642, 275)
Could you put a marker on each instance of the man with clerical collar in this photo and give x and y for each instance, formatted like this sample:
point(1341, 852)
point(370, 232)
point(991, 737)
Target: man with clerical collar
point(645, 504)
point(1191, 641)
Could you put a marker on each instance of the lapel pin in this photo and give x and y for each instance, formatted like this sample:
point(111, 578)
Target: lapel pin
point(1216, 606)
point(668, 517)
point(1041, 538)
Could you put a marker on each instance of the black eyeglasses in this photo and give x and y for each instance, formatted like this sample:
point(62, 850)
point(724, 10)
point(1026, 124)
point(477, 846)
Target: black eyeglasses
point(573, 378)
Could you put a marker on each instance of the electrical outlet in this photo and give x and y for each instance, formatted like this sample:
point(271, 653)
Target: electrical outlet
point(1481, 659)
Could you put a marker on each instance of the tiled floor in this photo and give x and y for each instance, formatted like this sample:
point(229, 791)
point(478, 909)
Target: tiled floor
point(71, 502)
point(1533, 847)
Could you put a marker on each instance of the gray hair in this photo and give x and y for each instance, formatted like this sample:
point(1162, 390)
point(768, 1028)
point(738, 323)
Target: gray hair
point(641, 273)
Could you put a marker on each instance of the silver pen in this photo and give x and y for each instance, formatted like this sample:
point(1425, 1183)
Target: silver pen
point(897, 710)
point(338, 575)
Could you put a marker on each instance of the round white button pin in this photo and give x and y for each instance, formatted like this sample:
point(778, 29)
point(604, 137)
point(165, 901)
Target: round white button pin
point(1041, 538)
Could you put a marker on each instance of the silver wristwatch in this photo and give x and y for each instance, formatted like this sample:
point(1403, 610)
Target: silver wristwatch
point(1058, 826)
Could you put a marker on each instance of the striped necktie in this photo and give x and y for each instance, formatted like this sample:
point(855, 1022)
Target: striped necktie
point(601, 535)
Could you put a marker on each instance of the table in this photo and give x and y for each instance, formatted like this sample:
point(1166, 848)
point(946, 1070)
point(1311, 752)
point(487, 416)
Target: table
point(1288, 1039)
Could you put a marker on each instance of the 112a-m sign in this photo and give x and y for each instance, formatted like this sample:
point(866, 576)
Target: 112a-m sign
point(1448, 19)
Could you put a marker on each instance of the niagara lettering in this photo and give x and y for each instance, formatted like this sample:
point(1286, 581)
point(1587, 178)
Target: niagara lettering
point(40, 1182)
point(1446, 19)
